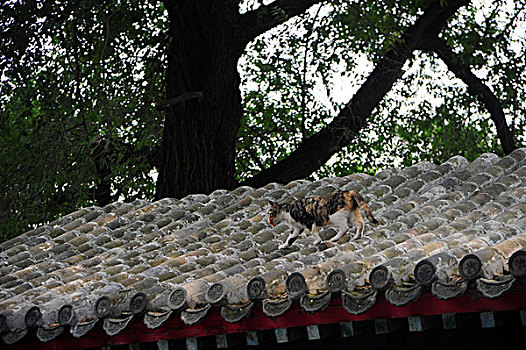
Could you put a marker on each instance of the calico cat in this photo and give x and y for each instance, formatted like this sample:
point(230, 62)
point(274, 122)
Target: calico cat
point(340, 208)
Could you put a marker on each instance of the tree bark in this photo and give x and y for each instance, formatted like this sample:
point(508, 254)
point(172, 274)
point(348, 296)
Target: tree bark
point(476, 87)
point(317, 149)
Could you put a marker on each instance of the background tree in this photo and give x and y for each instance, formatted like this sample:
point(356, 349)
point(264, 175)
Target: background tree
point(97, 98)
point(77, 125)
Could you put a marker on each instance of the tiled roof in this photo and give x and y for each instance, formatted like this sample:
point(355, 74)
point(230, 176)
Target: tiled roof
point(443, 228)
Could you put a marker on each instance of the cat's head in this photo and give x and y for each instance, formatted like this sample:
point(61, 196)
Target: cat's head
point(275, 213)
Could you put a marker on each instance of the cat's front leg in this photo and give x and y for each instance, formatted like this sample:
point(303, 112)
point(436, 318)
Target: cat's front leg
point(339, 235)
point(291, 239)
point(316, 234)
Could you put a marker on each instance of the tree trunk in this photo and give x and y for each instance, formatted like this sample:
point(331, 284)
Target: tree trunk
point(203, 108)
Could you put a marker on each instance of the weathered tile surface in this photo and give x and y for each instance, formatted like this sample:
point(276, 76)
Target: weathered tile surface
point(442, 228)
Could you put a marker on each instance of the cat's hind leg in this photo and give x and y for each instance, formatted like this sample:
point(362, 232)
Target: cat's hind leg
point(341, 221)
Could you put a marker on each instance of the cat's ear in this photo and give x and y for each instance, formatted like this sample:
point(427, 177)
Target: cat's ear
point(274, 205)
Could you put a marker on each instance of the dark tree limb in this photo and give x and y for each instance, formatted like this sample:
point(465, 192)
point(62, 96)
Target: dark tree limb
point(476, 87)
point(317, 149)
point(108, 152)
point(266, 17)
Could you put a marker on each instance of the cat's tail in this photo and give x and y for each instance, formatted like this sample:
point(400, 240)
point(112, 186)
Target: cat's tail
point(364, 206)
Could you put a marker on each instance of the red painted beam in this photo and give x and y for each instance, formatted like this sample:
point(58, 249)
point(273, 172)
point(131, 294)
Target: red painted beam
point(213, 323)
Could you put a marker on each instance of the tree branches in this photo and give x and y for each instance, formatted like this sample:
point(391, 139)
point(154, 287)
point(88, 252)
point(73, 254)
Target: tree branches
point(317, 149)
point(476, 87)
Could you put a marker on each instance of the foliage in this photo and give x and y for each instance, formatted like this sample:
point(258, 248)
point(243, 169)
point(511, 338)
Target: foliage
point(73, 73)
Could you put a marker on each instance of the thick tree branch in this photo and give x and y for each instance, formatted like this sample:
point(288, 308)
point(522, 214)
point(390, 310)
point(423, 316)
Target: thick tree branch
point(266, 17)
point(476, 87)
point(317, 149)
